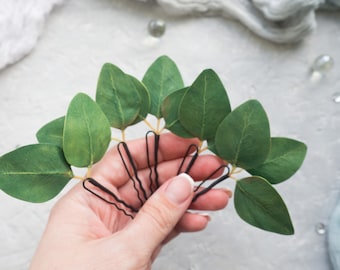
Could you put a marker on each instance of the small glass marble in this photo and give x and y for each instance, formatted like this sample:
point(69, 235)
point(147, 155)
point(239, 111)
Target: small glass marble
point(156, 27)
point(323, 63)
point(320, 228)
point(336, 97)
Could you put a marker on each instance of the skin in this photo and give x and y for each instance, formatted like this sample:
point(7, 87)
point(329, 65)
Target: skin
point(84, 232)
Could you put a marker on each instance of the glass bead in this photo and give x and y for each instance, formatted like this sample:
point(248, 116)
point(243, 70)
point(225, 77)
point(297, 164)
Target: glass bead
point(156, 27)
point(323, 63)
point(336, 97)
point(320, 228)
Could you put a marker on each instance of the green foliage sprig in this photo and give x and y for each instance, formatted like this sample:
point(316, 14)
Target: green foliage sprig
point(38, 172)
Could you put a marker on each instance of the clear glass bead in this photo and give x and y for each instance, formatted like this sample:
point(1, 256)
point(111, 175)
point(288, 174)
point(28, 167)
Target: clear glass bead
point(156, 27)
point(323, 63)
point(320, 228)
point(336, 97)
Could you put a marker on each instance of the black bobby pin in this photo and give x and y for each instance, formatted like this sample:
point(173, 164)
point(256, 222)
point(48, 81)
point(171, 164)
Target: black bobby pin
point(109, 192)
point(192, 160)
point(134, 178)
point(154, 181)
point(214, 183)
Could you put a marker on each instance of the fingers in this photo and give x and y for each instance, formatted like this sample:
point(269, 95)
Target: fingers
point(111, 173)
point(160, 214)
point(190, 222)
point(202, 168)
point(111, 167)
point(193, 221)
point(215, 199)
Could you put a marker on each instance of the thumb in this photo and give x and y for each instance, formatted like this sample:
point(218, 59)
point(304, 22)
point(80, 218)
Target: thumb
point(161, 212)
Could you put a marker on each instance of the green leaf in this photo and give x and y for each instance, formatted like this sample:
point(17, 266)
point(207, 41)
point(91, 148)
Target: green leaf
point(243, 137)
point(34, 173)
point(284, 159)
point(259, 204)
point(170, 113)
point(118, 96)
point(87, 132)
point(204, 105)
point(145, 100)
point(212, 146)
point(162, 78)
point(52, 132)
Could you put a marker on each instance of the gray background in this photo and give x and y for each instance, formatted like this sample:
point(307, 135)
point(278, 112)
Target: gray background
point(82, 35)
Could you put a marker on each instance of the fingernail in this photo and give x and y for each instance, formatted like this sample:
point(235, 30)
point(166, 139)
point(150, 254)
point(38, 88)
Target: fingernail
point(205, 215)
point(180, 188)
point(229, 192)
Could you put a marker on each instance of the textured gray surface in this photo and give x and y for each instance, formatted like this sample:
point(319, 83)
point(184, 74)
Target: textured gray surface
point(81, 35)
point(334, 237)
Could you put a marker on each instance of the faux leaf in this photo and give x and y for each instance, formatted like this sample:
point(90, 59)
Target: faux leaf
point(259, 204)
point(117, 96)
point(87, 132)
point(145, 100)
point(204, 105)
point(243, 137)
point(34, 173)
point(162, 78)
point(52, 132)
point(284, 159)
point(212, 146)
point(170, 111)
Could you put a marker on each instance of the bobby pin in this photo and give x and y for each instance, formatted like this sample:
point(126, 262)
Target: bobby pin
point(109, 192)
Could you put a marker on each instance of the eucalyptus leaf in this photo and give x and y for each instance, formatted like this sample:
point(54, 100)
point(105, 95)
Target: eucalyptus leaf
point(34, 173)
point(161, 79)
point(285, 158)
point(204, 105)
point(52, 132)
point(170, 111)
point(118, 96)
point(243, 137)
point(145, 100)
point(212, 146)
point(87, 132)
point(259, 204)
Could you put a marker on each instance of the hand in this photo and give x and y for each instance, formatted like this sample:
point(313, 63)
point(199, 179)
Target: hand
point(84, 232)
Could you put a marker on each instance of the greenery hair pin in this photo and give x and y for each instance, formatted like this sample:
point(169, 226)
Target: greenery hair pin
point(240, 136)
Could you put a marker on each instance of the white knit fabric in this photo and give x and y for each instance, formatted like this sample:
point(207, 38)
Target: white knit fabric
point(21, 24)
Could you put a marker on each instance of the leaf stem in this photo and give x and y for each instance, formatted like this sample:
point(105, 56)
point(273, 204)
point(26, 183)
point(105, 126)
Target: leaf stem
point(123, 135)
point(238, 170)
point(235, 170)
point(233, 177)
point(200, 147)
point(149, 125)
point(161, 130)
point(203, 149)
point(88, 173)
point(158, 125)
point(81, 178)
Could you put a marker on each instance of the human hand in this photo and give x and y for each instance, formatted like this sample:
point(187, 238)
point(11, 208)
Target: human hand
point(84, 232)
